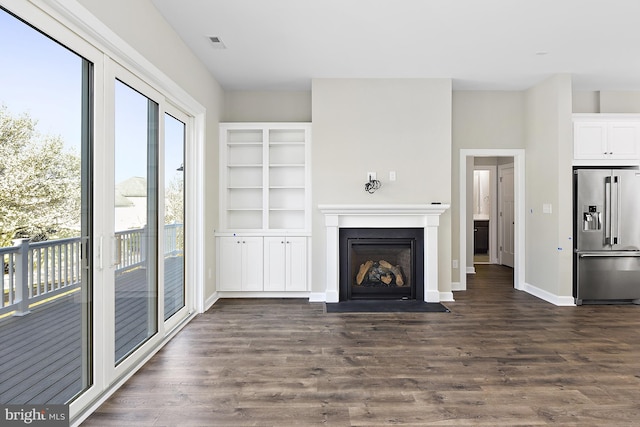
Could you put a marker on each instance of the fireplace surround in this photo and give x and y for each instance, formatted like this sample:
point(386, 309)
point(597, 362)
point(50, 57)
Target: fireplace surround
point(423, 216)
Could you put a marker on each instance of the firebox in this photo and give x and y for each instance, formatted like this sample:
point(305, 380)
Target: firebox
point(381, 263)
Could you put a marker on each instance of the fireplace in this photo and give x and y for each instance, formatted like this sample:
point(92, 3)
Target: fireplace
point(425, 217)
point(381, 263)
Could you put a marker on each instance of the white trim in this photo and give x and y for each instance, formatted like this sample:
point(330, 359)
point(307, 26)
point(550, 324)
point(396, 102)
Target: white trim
point(455, 286)
point(471, 270)
point(262, 294)
point(519, 188)
point(563, 301)
point(317, 297)
point(446, 296)
point(211, 301)
point(426, 216)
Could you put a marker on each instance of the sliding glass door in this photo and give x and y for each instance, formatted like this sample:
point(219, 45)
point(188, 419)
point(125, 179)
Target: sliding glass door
point(174, 225)
point(46, 226)
point(136, 219)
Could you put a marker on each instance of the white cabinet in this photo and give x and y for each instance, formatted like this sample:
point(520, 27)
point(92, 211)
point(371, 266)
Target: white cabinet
point(606, 137)
point(264, 176)
point(285, 264)
point(240, 266)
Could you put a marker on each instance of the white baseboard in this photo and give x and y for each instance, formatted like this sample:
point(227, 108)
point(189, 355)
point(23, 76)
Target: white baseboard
point(211, 300)
point(262, 294)
point(317, 297)
point(456, 286)
point(446, 296)
point(562, 301)
point(471, 270)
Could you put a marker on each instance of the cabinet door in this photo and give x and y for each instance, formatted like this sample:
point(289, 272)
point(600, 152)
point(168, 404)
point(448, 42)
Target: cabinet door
point(230, 263)
point(590, 140)
point(252, 271)
point(274, 264)
point(296, 264)
point(623, 140)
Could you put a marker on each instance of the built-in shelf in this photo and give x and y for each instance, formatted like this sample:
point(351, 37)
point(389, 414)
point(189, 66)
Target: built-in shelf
point(264, 169)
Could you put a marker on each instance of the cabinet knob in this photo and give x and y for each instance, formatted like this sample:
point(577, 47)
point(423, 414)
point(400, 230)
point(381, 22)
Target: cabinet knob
point(282, 243)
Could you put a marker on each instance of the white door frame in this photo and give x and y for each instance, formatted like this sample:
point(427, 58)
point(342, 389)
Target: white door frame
point(519, 196)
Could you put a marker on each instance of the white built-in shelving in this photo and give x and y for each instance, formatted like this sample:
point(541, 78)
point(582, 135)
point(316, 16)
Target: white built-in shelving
point(264, 200)
point(264, 176)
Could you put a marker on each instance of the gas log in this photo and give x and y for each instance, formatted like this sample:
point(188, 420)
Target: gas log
point(379, 273)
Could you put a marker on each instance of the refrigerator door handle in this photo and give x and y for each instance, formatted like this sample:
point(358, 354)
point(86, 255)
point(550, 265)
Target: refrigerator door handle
point(609, 254)
point(616, 237)
point(608, 226)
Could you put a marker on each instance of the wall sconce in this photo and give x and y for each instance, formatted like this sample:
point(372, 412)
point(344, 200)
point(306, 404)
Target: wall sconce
point(373, 184)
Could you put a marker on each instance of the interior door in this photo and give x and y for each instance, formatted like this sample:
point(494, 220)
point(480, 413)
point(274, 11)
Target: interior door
point(506, 217)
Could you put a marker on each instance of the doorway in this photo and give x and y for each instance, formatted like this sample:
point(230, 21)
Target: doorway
point(484, 209)
point(517, 158)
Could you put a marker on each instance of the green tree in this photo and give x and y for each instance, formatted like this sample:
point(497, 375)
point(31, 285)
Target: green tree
point(39, 183)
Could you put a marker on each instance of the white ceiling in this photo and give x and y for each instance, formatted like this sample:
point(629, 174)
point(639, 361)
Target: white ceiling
point(480, 44)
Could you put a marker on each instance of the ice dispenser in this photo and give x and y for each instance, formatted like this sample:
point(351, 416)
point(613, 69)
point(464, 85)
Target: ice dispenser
point(592, 218)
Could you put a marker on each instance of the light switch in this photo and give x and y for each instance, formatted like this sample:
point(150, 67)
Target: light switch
point(546, 208)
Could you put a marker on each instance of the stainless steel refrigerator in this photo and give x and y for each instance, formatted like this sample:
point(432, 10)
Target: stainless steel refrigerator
point(607, 235)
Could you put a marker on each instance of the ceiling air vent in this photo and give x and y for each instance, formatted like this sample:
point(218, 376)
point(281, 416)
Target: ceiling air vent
point(216, 42)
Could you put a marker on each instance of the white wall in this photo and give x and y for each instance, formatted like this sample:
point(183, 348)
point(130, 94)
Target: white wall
point(549, 180)
point(481, 120)
point(267, 106)
point(381, 125)
point(141, 25)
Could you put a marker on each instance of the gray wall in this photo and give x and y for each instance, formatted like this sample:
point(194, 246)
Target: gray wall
point(481, 120)
point(267, 106)
point(381, 125)
point(549, 152)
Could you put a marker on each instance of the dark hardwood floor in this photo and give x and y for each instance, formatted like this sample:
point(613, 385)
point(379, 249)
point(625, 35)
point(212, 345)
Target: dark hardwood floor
point(501, 357)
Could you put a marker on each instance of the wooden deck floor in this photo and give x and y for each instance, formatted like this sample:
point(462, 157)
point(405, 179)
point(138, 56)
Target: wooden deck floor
point(41, 353)
point(501, 357)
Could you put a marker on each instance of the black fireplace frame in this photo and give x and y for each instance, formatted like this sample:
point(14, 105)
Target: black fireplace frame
point(348, 236)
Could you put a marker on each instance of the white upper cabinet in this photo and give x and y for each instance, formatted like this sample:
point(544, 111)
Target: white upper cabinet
point(264, 176)
point(606, 139)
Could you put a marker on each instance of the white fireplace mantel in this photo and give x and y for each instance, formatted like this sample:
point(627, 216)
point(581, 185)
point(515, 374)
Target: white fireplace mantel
point(426, 216)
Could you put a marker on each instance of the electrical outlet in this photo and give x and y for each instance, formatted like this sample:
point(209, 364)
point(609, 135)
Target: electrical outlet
point(392, 176)
point(455, 263)
point(371, 176)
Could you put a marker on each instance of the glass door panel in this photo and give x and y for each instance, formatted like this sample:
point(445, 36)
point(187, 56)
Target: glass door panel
point(136, 213)
point(174, 145)
point(45, 218)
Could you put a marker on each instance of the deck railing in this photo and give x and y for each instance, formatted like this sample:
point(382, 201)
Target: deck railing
point(34, 271)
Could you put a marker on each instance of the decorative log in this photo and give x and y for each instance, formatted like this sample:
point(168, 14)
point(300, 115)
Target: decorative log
point(385, 264)
point(363, 271)
point(386, 279)
point(396, 272)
